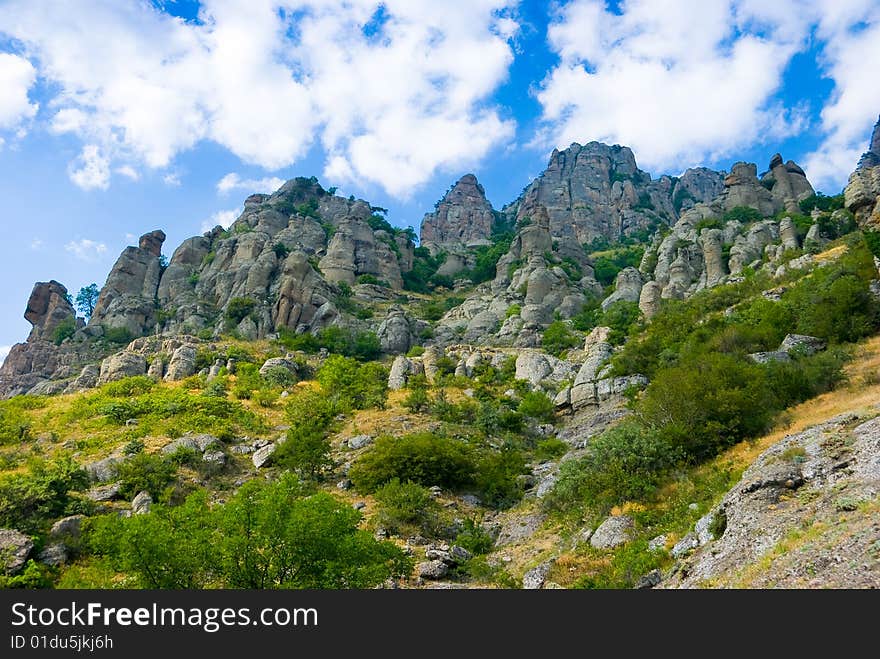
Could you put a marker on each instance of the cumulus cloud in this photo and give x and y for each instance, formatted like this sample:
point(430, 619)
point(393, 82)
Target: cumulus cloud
point(17, 75)
point(851, 31)
point(36, 244)
point(91, 170)
point(85, 249)
point(233, 181)
point(223, 218)
point(392, 90)
point(4, 352)
point(690, 82)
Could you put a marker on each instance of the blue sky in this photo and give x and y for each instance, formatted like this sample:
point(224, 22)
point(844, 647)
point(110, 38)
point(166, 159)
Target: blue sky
point(138, 115)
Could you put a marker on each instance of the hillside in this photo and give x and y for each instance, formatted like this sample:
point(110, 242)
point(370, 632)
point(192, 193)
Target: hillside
point(613, 381)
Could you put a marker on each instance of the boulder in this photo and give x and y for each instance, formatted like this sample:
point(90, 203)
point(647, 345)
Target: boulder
point(400, 371)
point(279, 362)
point(627, 287)
point(395, 334)
point(262, 456)
point(47, 308)
point(613, 532)
point(55, 555)
point(359, 441)
point(15, 548)
point(121, 365)
point(182, 364)
point(649, 299)
point(433, 569)
point(141, 503)
point(535, 578)
point(103, 470)
point(802, 344)
point(67, 528)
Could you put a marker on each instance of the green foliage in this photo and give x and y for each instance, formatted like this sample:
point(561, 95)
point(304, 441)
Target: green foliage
point(513, 310)
point(372, 279)
point(558, 338)
point(34, 576)
point(279, 376)
point(550, 449)
point(620, 317)
point(29, 499)
point(86, 300)
point(118, 335)
point(64, 330)
point(417, 400)
point(422, 458)
point(712, 223)
point(416, 351)
point(743, 214)
point(15, 423)
point(606, 265)
point(625, 567)
point(680, 196)
point(421, 278)
point(144, 471)
point(537, 405)
point(268, 535)
point(474, 538)
point(872, 240)
point(239, 308)
point(823, 203)
point(306, 450)
point(431, 310)
point(362, 345)
point(497, 477)
point(281, 251)
point(487, 257)
point(622, 464)
point(353, 385)
point(406, 506)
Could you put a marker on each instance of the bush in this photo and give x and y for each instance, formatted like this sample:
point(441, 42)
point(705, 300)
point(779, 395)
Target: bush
point(306, 450)
point(537, 405)
point(146, 472)
point(279, 376)
point(622, 464)
point(474, 538)
point(64, 330)
point(417, 400)
point(354, 385)
point(497, 477)
point(421, 458)
point(238, 309)
point(558, 338)
point(403, 506)
point(31, 498)
point(118, 335)
point(268, 535)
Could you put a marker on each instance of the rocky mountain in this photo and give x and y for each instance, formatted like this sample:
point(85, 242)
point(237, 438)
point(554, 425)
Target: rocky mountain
point(862, 193)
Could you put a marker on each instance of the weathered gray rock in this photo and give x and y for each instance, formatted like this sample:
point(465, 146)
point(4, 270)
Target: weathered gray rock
point(105, 492)
point(463, 217)
point(261, 457)
point(55, 555)
point(395, 333)
point(434, 569)
point(141, 503)
point(279, 362)
point(67, 528)
point(359, 441)
point(400, 372)
point(658, 543)
point(15, 548)
point(103, 470)
point(121, 365)
point(789, 184)
point(213, 457)
point(649, 299)
point(767, 357)
point(87, 379)
point(613, 532)
point(650, 580)
point(127, 299)
point(182, 364)
point(185, 443)
point(535, 578)
point(47, 308)
point(627, 287)
point(685, 546)
point(802, 344)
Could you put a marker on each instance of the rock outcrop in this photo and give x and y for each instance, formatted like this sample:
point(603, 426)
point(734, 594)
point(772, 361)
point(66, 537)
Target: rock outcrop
point(128, 298)
point(47, 308)
point(862, 193)
point(463, 217)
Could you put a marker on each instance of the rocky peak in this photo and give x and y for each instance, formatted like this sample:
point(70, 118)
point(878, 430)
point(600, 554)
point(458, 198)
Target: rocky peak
point(127, 299)
point(871, 158)
point(787, 183)
point(463, 216)
point(697, 185)
point(47, 307)
point(597, 190)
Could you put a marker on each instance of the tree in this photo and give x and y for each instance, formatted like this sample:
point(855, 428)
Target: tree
point(86, 300)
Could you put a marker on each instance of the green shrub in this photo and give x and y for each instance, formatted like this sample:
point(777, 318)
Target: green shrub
point(268, 535)
point(474, 538)
point(417, 400)
point(238, 309)
point(416, 351)
point(406, 506)
point(421, 458)
point(146, 472)
point(31, 498)
point(279, 376)
point(497, 478)
point(64, 330)
point(537, 405)
point(354, 385)
point(558, 338)
point(513, 310)
point(281, 251)
point(118, 335)
point(743, 214)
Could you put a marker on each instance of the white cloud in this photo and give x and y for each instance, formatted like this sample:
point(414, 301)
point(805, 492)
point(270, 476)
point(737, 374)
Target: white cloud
point(91, 170)
point(850, 57)
point(4, 352)
point(393, 90)
point(690, 82)
point(233, 181)
point(36, 244)
point(128, 172)
point(223, 218)
point(85, 249)
point(17, 75)
point(172, 180)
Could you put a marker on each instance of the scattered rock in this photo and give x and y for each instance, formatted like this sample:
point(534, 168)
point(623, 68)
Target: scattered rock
point(535, 578)
point(685, 546)
point(650, 580)
point(67, 528)
point(105, 492)
point(15, 548)
point(262, 456)
point(434, 569)
point(614, 531)
point(141, 503)
point(658, 543)
point(359, 441)
point(104, 470)
point(54, 555)
point(217, 458)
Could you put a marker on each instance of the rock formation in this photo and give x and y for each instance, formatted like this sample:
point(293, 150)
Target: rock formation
point(463, 217)
point(47, 308)
point(862, 193)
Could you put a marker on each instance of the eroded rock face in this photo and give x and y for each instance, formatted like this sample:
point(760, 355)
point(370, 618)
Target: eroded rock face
point(122, 365)
point(862, 193)
point(47, 308)
point(789, 184)
point(597, 190)
point(127, 299)
point(303, 296)
point(355, 250)
point(15, 548)
point(463, 217)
